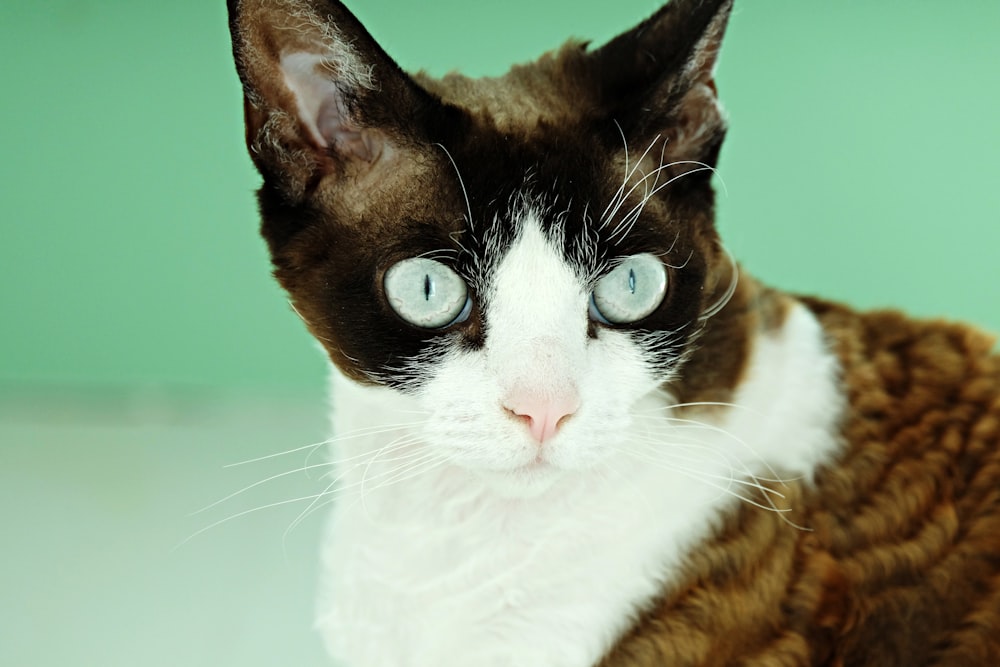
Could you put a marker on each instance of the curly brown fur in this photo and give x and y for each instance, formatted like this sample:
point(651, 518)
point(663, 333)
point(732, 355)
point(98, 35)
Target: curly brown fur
point(898, 561)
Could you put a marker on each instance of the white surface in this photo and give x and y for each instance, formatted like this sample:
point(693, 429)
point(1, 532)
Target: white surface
point(94, 498)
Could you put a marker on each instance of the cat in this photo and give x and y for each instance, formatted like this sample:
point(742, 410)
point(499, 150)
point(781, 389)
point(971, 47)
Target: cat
point(568, 430)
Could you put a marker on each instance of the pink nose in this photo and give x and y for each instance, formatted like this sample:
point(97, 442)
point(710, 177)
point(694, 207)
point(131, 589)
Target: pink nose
point(544, 414)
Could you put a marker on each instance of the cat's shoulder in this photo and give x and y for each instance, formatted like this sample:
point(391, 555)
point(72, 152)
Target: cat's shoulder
point(916, 389)
point(905, 350)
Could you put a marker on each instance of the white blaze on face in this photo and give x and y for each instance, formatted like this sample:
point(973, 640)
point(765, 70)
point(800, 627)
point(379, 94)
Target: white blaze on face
point(536, 333)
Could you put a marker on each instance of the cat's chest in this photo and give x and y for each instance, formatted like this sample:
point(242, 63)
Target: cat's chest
point(489, 581)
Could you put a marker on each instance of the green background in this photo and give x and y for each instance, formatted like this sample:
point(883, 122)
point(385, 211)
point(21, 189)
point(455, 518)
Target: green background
point(861, 164)
point(143, 344)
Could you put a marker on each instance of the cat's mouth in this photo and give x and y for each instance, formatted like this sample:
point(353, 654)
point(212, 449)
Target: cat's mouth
point(527, 480)
point(540, 465)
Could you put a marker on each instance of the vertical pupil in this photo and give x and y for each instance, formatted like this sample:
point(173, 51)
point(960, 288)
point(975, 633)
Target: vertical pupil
point(631, 281)
point(428, 287)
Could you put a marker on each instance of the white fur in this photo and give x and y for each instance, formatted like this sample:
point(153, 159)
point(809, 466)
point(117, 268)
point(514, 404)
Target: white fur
point(490, 551)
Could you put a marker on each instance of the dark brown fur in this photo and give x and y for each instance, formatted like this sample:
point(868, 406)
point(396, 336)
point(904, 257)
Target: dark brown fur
point(334, 222)
point(897, 561)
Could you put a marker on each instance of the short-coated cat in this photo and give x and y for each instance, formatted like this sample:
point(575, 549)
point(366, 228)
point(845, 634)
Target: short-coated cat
point(568, 431)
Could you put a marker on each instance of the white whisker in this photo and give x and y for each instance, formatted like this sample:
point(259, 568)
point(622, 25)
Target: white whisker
point(727, 490)
point(301, 469)
point(361, 432)
point(674, 449)
point(629, 220)
point(461, 183)
point(310, 508)
point(621, 132)
point(331, 494)
point(427, 463)
point(242, 514)
point(620, 196)
point(677, 422)
point(753, 482)
point(334, 492)
point(257, 459)
point(697, 404)
point(730, 290)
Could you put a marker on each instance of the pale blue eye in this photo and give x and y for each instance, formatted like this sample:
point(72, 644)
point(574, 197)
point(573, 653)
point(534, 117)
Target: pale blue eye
point(426, 293)
point(631, 291)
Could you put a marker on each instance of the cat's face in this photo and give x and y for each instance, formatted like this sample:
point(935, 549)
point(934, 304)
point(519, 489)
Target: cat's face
point(530, 257)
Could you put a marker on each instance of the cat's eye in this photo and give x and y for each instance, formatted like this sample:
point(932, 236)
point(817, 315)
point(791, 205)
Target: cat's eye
point(630, 292)
point(426, 293)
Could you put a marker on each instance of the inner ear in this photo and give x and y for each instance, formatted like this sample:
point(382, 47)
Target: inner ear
point(324, 104)
point(324, 107)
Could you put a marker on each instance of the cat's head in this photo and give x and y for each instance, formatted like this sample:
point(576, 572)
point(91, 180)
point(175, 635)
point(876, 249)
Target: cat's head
point(531, 256)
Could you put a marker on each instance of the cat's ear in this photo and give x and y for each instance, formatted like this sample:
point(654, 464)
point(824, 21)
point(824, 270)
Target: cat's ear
point(321, 98)
point(658, 79)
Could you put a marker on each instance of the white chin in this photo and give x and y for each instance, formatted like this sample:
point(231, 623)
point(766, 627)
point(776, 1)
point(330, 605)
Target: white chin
point(526, 482)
